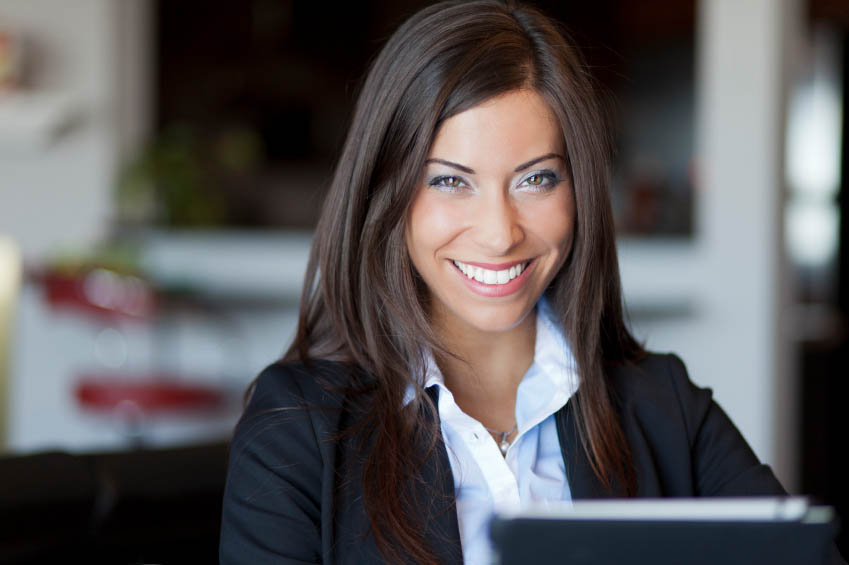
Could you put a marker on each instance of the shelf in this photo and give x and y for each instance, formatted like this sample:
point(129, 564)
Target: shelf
point(31, 121)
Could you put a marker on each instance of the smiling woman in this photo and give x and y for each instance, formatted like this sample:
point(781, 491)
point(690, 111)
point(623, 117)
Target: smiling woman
point(511, 209)
point(461, 345)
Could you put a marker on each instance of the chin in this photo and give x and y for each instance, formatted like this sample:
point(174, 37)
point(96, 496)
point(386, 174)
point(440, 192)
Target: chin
point(490, 319)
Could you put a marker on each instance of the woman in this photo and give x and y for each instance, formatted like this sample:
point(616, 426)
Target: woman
point(461, 344)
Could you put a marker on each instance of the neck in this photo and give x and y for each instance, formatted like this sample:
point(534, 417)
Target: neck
point(488, 367)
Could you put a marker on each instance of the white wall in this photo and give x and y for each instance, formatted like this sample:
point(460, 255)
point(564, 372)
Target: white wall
point(94, 56)
point(729, 287)
point(93, 53)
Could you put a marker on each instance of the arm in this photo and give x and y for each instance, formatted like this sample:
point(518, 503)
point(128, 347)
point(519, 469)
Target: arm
point(723, 463)
point(272, 498)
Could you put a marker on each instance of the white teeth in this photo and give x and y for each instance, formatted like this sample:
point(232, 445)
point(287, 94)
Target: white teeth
point(488, 276)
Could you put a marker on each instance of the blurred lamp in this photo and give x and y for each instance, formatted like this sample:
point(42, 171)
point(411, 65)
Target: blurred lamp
point(10, 280)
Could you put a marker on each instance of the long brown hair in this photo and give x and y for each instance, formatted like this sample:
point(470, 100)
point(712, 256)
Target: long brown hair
point(363, 302)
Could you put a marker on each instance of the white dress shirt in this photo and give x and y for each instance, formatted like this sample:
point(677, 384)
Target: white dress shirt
point(533, 470)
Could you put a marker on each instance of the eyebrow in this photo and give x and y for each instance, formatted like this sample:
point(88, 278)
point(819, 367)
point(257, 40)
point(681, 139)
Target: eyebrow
point(518, 169)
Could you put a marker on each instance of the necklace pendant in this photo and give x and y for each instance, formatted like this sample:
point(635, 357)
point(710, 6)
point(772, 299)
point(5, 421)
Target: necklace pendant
point(505, 445)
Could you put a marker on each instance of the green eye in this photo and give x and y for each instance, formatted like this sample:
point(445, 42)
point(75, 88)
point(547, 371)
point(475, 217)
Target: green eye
point(540, 181)
point(448, 182)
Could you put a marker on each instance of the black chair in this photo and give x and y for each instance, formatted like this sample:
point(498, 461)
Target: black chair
point(140, 506)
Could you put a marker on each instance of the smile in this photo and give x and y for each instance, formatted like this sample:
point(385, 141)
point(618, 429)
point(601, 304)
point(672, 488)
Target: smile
point(489, 276)
point(495, 281)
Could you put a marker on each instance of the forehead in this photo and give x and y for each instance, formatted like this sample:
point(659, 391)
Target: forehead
point(504, 131)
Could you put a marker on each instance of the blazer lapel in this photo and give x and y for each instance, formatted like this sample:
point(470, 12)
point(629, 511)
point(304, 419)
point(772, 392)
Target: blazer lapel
point(579, 473)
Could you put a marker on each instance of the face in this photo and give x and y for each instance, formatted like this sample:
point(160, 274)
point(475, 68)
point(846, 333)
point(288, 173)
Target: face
point(493, 218)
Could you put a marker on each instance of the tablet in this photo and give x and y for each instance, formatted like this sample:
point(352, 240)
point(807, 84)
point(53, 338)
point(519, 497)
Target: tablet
point(778, 531)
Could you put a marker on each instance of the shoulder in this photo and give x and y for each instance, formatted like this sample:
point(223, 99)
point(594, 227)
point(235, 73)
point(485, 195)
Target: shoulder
point(281, 454)
point(653, 373)
point(685, 440)
point(293, 408)
point(296, 384)
point(658, 386)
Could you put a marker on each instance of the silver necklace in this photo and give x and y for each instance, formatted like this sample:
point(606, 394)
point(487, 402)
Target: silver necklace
point(503, 444)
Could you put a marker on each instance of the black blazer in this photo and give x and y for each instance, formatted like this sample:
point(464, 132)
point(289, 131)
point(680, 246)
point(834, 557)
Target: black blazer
point(293, 490)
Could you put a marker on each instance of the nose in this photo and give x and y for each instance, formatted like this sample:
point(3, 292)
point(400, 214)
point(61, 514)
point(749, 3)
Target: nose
point(497, 229)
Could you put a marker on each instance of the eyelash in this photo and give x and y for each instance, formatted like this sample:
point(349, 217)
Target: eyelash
point(548, 182)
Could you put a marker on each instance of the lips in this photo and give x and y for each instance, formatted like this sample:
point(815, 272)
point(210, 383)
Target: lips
point(487, 282)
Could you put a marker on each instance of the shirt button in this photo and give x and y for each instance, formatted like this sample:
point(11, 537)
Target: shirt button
point(475, 435)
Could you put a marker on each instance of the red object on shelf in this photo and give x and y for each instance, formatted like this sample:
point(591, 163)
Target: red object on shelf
point(101, 292)
point(149, 395)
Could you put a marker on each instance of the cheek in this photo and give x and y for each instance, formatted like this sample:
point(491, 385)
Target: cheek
point(554, 222)
point(433, 223)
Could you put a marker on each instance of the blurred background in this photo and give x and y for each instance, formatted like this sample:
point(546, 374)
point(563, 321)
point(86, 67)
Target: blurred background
point(163, 164)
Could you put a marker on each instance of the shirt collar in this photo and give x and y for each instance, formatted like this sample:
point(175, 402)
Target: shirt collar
point(552, 378)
